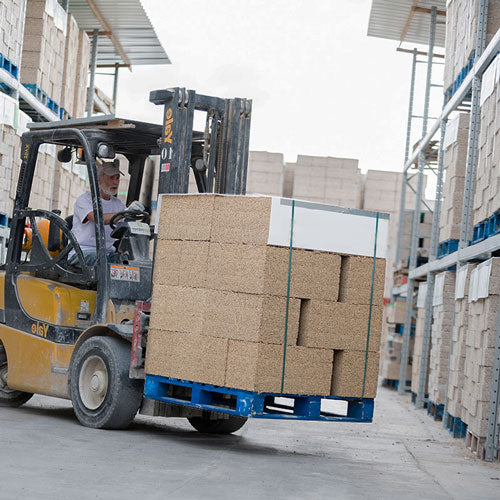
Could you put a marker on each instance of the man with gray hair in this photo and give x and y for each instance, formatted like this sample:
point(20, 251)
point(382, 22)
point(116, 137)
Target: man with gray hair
point(83, 216)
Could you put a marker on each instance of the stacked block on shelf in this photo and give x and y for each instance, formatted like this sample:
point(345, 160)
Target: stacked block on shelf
point(82, 64)
point(11, 25)
point(70, 69)
point(43, 46)
point(442, 322)
point(220, 301)
point(483, 300)
point(265, 173)
point(459, 335)
point(455, 159)
point(461, 33)
point(487, 190)
point(335, 181)
point(418, 342)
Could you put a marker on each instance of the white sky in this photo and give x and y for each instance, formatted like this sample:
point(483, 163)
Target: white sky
point(319, 85)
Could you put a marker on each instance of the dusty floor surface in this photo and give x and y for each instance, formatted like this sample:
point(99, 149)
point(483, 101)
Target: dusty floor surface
point(46, 454)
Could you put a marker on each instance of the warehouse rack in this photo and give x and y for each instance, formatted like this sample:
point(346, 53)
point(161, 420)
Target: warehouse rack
point(486, 238)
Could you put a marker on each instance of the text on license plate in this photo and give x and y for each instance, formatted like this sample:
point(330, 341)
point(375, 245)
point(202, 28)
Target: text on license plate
point(124, 273)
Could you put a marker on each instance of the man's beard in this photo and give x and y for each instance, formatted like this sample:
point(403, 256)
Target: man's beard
point(110, 191)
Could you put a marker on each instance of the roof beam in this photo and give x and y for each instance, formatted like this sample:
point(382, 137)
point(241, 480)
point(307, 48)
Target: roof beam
point(419, 52)
point(110, 35)
point(422, 10)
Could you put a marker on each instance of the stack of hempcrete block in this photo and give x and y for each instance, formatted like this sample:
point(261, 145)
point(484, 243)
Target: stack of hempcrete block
point(288, 180)
point(487, 192)
point(442, 323)
point(335, 181)
point(265, 173)
point(455, 159)
point(43, 46)
point(461, 32)
point(11, 26)
point(459, 335)
point(82, 65)
point(419, 339)
point(392, 358)
point(70, 69)
point(484, 291)
point(220, 296)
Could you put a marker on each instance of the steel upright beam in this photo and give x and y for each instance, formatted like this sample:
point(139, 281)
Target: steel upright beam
point(416, 214)
point(404, 178)
point(93, 63)
point(115, 84)
point(427, 330)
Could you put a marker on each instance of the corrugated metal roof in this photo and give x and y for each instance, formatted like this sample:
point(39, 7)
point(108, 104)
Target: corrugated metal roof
point(131, 27)
point(388, 19)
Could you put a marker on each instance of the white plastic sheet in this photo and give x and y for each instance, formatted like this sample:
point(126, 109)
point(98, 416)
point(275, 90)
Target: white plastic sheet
point(439, 289)
point(422, 292)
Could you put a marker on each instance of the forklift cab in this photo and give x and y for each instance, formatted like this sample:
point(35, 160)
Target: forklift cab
point(110, 285)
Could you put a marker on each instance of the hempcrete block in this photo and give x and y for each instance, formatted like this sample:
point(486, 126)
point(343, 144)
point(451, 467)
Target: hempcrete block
point(417, 353)
point(339, 326)
point(348, 374)
point(70, 69)
point(82, 64)
point(258, 367)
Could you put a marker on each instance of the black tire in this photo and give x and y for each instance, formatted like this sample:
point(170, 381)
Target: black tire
point(112, 405)
point(8, 397)
point(208, 425)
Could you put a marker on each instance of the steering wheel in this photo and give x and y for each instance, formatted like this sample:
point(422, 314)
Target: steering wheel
point(129, 215)
point(72, 243)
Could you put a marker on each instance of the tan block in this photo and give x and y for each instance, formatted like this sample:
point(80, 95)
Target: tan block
point(356, 278)
point(255, 318)
point(348, 374)
point(258, 367)
point(186, 217)
point(241, 219)
point(186, 356)
point(335, 325)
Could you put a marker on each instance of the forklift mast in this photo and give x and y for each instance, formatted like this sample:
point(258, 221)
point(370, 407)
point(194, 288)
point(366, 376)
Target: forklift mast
point(218, 156)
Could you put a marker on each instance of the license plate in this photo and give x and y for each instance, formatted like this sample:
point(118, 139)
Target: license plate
point(124, 273)
point(139, 228)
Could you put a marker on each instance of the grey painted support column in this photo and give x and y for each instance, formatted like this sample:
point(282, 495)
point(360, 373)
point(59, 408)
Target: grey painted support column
point(427, 330)
point(416, 214)
point(404, 177)
point(115, 84)
point(93, 63)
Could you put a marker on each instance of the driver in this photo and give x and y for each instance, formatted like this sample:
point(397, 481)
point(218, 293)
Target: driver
point(83, 216)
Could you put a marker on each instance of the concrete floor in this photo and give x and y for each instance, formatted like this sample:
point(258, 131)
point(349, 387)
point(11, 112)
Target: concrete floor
point(46, 454)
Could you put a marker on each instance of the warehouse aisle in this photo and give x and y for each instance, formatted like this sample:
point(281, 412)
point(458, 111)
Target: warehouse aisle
point(403, 454)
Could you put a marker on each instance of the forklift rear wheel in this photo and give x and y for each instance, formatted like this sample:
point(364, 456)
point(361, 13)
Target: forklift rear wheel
point(103, 395)
point(209, 425)
point(8, 396)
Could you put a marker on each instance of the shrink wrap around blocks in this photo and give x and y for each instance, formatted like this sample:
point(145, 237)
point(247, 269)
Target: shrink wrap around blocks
point(457, 356)
point(480, 336)
point(442, 322)
point(11, 25)
point(455, 159)
point(461, 33)
point(417, 352)
point(265, 173)
point(335, 181)
point(82, 65)
point(43, 46)
point(220, 296)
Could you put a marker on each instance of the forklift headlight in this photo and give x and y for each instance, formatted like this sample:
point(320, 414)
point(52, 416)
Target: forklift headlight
point(105, 150)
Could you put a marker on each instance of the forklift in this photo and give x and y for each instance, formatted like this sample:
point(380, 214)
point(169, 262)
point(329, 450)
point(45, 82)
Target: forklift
point(71, 331)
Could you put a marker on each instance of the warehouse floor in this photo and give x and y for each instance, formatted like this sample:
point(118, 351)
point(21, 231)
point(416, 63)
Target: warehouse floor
point(403, 454)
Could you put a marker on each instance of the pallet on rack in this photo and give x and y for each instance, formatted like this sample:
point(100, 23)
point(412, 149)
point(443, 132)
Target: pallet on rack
point(394, 384)
point(455, 426)
point(414, 399)
point(435, 411)
point(252, 404)
point(399, 328)
point(446, 247)
point(8, 66)
point(460, 78)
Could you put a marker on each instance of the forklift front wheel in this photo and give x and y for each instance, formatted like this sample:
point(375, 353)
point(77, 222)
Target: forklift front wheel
point(207, 424)
point(8, 396)
point(103, 395)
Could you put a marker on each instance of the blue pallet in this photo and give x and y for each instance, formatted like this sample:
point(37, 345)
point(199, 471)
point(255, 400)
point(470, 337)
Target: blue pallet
point(252, 404)
point(4, 220)
point(399, 328)
point(394, 384)
point(8, 66)
point(480, 232)
point(435, 411)
point(493, 225)
point(63, 114)
point(414, 399)
point(446, 247)
point(461, 77)
point(455, 426)
point(37, 92)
